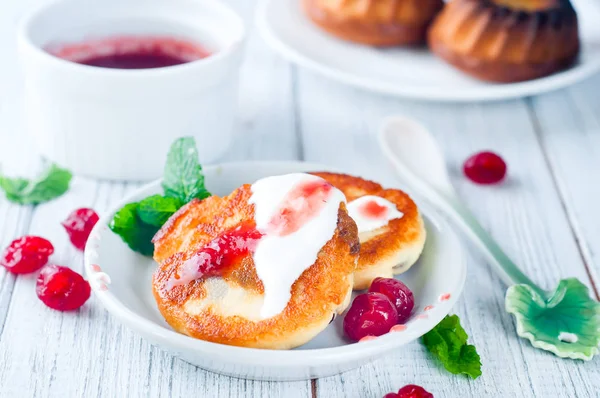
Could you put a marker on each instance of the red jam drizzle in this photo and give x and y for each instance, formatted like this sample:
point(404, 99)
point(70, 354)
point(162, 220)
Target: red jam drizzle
point(372, 209)
point(217, 255)
point(131, 52)
point(398, 328)
point(303, 203)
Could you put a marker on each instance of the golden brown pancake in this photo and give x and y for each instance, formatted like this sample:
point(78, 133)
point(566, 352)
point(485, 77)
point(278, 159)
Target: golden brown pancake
point(226, 309)
point(389, 250)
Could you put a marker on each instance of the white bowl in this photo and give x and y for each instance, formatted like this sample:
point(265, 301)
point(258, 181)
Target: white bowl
point(440, 271)
point(118, 123)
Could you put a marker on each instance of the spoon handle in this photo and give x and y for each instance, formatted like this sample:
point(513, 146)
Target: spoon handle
point(449, 204)
point(507, 270)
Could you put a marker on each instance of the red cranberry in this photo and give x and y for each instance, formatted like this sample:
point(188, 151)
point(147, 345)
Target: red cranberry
point(26, 254)
point(485, 168)
point(371, 314)
point(391, 395)
point(413, 391)
point(61, 288)
point(79, 224)
point(398, 293)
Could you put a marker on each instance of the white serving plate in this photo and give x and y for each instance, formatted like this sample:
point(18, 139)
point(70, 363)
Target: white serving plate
point(128, 296)
point(405, 72)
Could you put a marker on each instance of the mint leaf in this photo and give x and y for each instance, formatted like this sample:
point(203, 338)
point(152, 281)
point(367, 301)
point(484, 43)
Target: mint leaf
point(52, 183)
point(183, 178)
point(136, 233)
point(468, 362)
point(448, 342)
point(13, 187)
point(156, 210)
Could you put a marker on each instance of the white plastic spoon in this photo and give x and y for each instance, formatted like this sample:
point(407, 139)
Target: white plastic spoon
point(419, 161)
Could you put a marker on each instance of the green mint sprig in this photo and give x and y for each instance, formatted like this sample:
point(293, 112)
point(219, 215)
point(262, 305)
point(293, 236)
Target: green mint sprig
point(136, 233)
point(183, 178)
point(156, 209)
point(51, 184)
point(448, 343)
point(137, 223)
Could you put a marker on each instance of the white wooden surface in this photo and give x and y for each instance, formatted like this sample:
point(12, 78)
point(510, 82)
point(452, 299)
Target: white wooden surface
point(546, 216)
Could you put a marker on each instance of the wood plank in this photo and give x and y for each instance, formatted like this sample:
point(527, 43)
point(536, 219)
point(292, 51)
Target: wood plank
point(14, 220)
point(568, 124)
point(524, 214)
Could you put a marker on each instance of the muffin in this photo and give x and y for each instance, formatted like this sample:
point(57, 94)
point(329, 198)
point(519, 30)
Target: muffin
point(506, 40)
point(375, 22)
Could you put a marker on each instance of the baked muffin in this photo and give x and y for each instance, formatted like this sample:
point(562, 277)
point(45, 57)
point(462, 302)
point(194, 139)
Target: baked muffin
point(506, 40)
point(375, 22)
point(228, 306)
point(388, 247)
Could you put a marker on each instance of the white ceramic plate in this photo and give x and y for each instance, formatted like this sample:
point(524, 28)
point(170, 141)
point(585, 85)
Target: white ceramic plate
point(441, 270)
point(414, 73)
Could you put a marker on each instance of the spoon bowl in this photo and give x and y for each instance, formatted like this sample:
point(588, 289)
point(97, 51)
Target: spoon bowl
point(427, 165)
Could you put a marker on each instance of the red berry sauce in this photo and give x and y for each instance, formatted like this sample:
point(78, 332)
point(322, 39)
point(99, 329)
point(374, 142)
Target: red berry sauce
point(140, 60)
point(485, 168)
point(26, 254)
point(221, 252)
point(372, 209)
point(398, 293)
point(131, 52)
point(304, 202)
point(61, 288)
point(79, 225)
point(371, 314)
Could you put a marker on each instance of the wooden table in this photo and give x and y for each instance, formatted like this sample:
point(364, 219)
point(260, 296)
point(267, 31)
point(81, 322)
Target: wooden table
point(547, 216)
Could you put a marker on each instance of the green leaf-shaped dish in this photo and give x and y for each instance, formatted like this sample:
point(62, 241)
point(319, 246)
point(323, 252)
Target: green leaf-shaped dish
point(567, 323)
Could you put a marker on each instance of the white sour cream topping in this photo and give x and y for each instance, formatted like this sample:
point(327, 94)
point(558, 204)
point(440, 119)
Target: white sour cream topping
point(280, 260)
point(365, 221)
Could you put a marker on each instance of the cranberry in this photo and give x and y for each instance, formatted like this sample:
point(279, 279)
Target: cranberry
point(391, 395)
point(26, 254)
point(371, 314)
point(413, 391)
point(61, 288)
point(485, 168)
point(79, 225)
point(398, 293)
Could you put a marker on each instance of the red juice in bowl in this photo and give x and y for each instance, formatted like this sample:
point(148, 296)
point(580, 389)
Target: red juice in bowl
point(131, 52)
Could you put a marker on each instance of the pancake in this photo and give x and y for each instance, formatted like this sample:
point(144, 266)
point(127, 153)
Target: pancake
point(226, 309)
point(388, 250)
